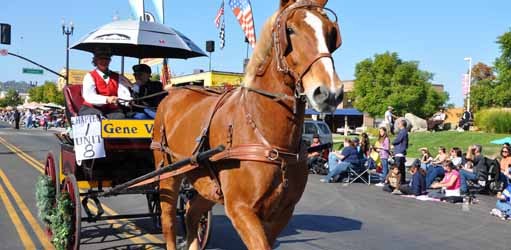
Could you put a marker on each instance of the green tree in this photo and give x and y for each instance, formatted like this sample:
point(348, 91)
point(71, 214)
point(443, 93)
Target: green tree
point(503, 63)
point(503, 70)
point(388, 80)
point(36, 94)
point(489, 90)
point(12, 98)
point(46, 93)
point(482, 93)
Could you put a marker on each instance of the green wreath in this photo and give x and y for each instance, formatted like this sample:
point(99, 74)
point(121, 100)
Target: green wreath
point(57, 216)
point(45, 198)
point(61, 221)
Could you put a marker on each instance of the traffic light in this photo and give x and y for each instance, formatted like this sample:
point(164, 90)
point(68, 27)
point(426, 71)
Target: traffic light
point(5, 33)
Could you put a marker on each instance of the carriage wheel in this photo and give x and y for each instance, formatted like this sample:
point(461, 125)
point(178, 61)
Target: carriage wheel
point(52, 170)
point(71, 187)
point(204, 231)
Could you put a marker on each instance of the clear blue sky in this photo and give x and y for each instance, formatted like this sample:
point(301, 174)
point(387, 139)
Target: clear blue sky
point(438, 34)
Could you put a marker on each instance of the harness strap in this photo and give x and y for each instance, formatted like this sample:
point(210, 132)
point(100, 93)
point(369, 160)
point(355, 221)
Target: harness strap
point(205, 131)
point(256, 152)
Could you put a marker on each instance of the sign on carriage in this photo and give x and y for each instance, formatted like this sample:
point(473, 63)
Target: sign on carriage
point(88, 143)
point(127, 128)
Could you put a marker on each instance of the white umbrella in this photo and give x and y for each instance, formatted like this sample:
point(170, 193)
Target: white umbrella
point(53, 105)
point(140, 39)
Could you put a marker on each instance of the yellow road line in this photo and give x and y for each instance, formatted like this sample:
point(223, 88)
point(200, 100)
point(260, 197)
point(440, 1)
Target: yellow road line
point(32, 162)
point(26, 212)
point(40, 167)
point(18, 150)
point(20, 228)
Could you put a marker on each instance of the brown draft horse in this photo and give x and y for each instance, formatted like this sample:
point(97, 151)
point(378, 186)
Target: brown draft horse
point(261, 175)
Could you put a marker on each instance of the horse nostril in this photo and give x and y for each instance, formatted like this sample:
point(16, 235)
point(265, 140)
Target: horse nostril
point(320, 94)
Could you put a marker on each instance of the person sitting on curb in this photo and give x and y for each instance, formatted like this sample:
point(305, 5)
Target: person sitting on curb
point(456, 156)
point(503, 205)
point(426, 158)
point(339, 162)
point(475, 156)
point(393, 181)
point(505, 162)
point(450, 184)
point(417, 185)
point(436, 169)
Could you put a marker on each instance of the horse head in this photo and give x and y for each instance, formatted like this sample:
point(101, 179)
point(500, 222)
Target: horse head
point(303, 39)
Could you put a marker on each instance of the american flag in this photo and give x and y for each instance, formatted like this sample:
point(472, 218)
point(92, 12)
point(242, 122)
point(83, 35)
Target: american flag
point(222, 35)
point(243, 12)
point(165, 73)
point(219, 15)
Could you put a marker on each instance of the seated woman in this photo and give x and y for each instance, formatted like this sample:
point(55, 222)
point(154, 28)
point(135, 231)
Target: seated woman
point(450, 184)
point(102, 88)
point(417, 185)
point(339, 162)
point(505, 162)
point(426, 158)
point(456, 156)
point(436, 169)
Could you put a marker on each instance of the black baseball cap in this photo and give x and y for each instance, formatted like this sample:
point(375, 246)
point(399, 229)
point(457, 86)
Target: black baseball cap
point(142, 68)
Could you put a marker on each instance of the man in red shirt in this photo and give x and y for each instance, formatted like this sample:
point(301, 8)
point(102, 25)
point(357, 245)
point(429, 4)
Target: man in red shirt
point(103, 88)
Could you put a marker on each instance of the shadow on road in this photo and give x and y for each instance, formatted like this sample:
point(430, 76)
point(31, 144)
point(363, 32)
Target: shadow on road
point(320, 223)
point(223, 229)
point(105, 232)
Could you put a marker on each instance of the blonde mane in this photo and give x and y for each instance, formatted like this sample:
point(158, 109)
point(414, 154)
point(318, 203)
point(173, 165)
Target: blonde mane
point(261, 50)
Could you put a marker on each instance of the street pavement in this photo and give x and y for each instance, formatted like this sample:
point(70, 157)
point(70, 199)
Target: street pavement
point(329, 216)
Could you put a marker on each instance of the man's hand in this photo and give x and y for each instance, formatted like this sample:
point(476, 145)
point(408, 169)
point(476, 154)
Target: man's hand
point(112, 99)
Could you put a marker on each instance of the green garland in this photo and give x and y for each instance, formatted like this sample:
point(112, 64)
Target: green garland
point(58, 218)
point(61, 221)
point(45, 198)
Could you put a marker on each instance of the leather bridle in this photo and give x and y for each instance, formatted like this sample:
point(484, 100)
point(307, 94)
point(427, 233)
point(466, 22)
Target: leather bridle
point(281, 45)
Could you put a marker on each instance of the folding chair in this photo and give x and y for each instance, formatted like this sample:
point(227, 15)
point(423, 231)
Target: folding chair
point(361, 172)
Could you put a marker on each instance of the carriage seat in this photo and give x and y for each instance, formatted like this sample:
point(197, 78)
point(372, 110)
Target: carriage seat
point(74, 98)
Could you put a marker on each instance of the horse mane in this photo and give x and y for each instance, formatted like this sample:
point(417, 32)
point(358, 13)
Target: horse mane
point(261, 50)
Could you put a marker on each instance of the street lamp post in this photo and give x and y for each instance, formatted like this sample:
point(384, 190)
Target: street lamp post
point(67, 30)
point(469, 59)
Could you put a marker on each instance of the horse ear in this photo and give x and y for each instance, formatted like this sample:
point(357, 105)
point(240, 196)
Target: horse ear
point(284, 3)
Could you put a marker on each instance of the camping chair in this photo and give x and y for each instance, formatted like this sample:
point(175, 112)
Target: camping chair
point(363, 172)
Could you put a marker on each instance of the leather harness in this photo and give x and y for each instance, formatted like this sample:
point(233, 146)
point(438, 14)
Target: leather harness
point(263, 151)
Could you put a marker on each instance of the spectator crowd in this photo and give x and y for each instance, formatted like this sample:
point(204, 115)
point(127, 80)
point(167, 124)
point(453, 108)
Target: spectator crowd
point(451, 175)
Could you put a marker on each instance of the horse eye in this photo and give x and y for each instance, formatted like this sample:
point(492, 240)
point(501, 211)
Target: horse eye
point(290, 31)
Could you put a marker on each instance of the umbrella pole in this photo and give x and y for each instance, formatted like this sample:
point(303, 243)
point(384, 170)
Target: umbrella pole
point(122, 65)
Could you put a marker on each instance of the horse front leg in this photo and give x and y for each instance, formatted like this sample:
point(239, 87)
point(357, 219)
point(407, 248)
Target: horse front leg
point(196, 208)
point(169, 194)
point(248, 225)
